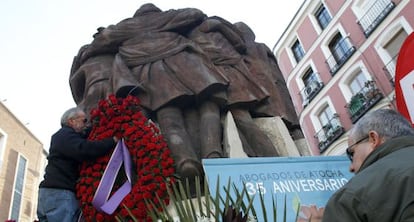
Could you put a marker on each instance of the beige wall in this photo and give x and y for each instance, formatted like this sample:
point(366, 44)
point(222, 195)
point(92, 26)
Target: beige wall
point(16, 140)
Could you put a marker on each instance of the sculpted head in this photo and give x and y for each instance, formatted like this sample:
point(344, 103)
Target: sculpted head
point(145, 9)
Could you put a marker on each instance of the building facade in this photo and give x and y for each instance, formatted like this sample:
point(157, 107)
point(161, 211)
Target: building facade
point(22, 160)
point(338, 58)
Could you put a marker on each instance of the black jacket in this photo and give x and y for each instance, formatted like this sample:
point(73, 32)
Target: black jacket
point(383, 189)
point(67, 150)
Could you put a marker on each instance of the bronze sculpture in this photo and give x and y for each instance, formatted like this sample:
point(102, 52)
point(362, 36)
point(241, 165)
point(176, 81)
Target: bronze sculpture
point(188, 70)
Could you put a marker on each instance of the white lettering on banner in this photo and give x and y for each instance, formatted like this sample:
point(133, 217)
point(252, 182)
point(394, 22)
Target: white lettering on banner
point(289, 186)
point(253, 188)
point(313, 174)
point(407, 87)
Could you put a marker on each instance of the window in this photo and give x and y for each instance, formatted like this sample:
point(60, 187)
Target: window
point(298, 51)
point(372, 13)
point(309, 77)
point(364, 95)
point(338, 47)
point(325, 116)
point(312, 84)
point(389, 42)
point(331, 128)
point(357, 83)
point(341, 50)
point(392, 47)
point(323, 17)
point(18, 189)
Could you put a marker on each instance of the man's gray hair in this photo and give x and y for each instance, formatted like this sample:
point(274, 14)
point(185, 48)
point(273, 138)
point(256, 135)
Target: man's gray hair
point(70, 113)
point(386, 122)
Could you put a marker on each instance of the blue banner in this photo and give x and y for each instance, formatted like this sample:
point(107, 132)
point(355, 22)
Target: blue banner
point(305, 182)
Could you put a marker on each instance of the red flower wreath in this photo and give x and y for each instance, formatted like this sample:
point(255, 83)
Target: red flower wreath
point(152, 162)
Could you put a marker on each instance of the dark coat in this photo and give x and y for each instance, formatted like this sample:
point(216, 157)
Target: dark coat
point(67, 150)
point(383, 189)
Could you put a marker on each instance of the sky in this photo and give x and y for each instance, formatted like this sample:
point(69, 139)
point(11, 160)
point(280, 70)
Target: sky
point(39, 39)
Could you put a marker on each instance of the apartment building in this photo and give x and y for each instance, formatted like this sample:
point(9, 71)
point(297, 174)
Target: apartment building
point(338, 58)
point(22, 160)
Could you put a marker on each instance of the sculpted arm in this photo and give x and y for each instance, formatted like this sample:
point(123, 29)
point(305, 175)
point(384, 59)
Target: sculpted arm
point(217, 24)
point(182, 20)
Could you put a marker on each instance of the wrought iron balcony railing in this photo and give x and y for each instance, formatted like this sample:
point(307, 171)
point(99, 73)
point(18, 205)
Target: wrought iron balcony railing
point(361, 102)
point(311, 90)
point(329, 133)
point(340, 56)
point(375, 15)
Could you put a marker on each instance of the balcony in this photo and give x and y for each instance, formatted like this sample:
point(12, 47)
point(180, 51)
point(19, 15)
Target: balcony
point(310, 91)
point(389, 69)
point(340, 56)
point(329, 133)
point(375, 15)
point(361, 102)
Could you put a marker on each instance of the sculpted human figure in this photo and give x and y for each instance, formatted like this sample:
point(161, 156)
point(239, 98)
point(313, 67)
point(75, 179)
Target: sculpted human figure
point(147, 18)
point(187, 69)
point(223, 44)
point(178, 79)
point(98, 77)
point(90, 80)
point(174, 77)
point(262, 63)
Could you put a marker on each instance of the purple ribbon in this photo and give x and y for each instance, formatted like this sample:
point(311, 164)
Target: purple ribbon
point(101, 200)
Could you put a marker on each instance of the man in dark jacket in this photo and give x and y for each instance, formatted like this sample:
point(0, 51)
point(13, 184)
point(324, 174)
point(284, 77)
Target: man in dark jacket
point(381, 148)
point(68, 147)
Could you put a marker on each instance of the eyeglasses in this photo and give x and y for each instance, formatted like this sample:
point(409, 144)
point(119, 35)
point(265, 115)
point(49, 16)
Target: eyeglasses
point(351, 153)
point(84, 120)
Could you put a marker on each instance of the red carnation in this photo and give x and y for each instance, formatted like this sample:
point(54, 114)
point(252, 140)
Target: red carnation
point(149, 153)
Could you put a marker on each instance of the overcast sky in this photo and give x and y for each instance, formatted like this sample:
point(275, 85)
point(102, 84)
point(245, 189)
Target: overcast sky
point(39, 39)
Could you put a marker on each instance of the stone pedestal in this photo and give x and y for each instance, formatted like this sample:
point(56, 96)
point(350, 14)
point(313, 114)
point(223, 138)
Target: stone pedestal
point(274, 127)
point(231, 140)
point(278, 133)
point(303, 147)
